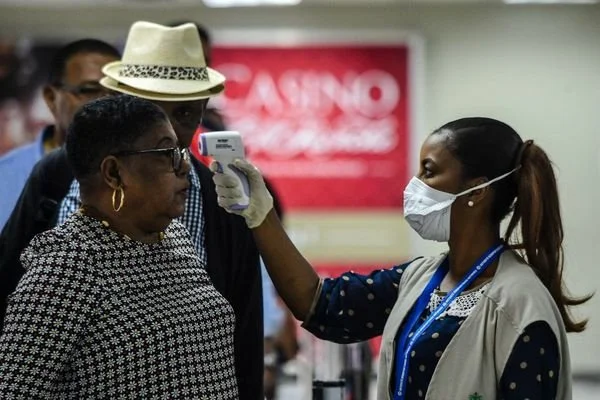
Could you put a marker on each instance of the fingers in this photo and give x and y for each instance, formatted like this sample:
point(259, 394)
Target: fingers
point(224, 180)
point(214, 166)
point(243, 165)
point(254, 176)
point(227, 202)
point(229, 192)
point(246, 167)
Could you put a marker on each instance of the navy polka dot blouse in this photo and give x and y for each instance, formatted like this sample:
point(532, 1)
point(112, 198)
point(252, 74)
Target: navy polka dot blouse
point(355, 307)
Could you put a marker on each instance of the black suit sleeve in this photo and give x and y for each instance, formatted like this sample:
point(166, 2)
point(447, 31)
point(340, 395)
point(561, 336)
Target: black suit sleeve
point(35, 212)
point(234, 268)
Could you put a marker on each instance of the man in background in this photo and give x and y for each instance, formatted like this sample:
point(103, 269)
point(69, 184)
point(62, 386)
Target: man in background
point(212, 120)
point(279, 325)
point(18, 90)
point(73, 80)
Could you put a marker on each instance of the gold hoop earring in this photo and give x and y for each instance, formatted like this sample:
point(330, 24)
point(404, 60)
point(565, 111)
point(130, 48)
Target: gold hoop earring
point(114, 199)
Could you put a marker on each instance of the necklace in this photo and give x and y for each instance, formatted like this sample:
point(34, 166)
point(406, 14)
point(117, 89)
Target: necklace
point(82, 211)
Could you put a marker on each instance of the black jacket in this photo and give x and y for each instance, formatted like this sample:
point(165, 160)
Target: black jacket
point(233, 263)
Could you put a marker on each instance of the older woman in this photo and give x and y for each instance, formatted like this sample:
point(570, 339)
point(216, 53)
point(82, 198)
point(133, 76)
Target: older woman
point(482, 321)
point(115, 302)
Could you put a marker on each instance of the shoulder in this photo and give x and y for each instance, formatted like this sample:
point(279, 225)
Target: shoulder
point(59, 258)
point(515, 282)
point(53, 174)
point(65, 246)
point(54, 162)
point(26, 155)
point(421, 267)
point(177, 230)
point(520, 296)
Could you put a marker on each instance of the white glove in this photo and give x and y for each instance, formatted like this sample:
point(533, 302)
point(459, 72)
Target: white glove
point(229, 193)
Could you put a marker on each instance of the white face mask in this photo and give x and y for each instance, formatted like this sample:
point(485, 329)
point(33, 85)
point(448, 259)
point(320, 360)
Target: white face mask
point(427, 210)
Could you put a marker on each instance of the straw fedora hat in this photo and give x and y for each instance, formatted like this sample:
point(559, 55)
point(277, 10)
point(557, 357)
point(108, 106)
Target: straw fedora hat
point(163, 63)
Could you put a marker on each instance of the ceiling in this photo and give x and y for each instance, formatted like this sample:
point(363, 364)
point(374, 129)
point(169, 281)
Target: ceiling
point(171, 3)
point(337, 3)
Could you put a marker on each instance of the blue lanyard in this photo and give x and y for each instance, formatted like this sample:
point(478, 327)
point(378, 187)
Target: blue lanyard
point(406, 343)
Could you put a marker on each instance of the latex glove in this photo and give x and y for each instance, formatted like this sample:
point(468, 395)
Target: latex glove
point(229, 193)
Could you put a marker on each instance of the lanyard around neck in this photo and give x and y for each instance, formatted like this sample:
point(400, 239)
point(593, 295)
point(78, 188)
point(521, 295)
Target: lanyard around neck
point(407, 341)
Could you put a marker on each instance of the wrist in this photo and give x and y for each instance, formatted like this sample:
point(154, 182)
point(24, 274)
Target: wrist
point(269, 219)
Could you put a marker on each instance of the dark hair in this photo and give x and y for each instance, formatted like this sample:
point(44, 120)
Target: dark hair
point(105, 126)
point(489, 148)
point(65, 53)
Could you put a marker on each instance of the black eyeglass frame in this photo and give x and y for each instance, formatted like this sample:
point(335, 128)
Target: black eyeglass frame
point(178, 155)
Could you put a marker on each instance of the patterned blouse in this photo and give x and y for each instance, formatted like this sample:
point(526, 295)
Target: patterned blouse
point(98, 315)
point(355, 307)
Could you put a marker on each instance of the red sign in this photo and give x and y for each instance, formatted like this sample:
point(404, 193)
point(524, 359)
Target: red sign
point(327, 124)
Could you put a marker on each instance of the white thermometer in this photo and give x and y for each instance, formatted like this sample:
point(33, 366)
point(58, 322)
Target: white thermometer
point(224, 147)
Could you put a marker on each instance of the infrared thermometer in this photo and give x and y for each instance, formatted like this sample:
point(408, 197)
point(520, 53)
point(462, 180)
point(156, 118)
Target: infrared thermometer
point(224, 147)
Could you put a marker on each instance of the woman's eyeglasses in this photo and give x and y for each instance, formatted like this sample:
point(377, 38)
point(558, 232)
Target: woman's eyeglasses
point(177, 155)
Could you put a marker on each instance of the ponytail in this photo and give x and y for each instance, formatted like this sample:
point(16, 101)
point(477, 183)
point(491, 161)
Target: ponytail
point(538, 212)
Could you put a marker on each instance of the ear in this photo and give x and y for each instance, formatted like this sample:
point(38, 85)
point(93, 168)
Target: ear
point(476, 196)
point(110, 172)
point(50, 96)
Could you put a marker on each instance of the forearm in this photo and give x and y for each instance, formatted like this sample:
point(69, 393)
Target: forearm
point(294, 278)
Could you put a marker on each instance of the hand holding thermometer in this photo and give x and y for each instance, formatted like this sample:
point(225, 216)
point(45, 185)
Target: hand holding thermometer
point(224, 147)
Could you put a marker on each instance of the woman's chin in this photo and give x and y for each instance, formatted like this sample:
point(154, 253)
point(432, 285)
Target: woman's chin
point(178, 211)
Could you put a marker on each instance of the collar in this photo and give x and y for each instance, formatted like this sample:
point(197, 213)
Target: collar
point(193, 177)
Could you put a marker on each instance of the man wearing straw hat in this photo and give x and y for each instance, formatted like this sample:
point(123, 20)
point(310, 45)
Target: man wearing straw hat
point(167, 66)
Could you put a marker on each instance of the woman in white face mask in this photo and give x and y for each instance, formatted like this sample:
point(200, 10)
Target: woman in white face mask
point(482, 321)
